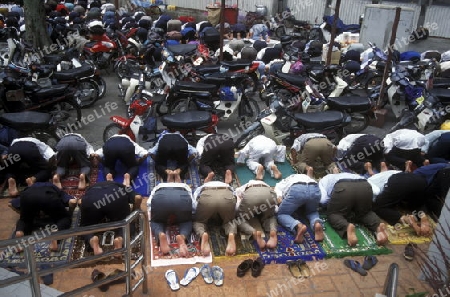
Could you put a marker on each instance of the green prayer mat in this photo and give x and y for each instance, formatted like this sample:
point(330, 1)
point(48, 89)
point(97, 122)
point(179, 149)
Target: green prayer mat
point(218, 241)
point(243, 174)
point(336, 247)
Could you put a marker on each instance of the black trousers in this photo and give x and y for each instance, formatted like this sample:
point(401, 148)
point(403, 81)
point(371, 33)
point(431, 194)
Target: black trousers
point(398, 157)
point(402, 189)
point(30, 163)
point(172, 148)
point(440, 151)
point(351, 198)
point(366, 148)
point(217, 156)
point(437, 191)
point(105, 201)
point(120, 149)
point(47, 199)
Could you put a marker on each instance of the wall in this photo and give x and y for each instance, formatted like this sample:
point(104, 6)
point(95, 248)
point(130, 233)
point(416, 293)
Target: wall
point(439, 15)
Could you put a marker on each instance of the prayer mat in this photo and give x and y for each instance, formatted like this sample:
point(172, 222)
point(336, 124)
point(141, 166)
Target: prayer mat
point(404, 234)
point(243, 174)
point(336, 247)
point(173, 258)
point(218, 241)
point(70, 182)
point(192, 177)
point(43, 255)
point(286, 249)
point(140, 184)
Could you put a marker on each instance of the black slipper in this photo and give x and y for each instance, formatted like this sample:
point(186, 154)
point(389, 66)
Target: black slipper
point(355, 266)
point(98, 276)
point(369, 262)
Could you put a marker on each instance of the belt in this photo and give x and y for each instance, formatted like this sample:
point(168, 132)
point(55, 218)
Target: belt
point(256, 185)
point(305, 183)
point(216, 188)
point(350, 180)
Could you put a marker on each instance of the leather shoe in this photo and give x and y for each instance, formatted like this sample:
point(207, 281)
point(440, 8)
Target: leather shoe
point(244, 267)
point(257, 267)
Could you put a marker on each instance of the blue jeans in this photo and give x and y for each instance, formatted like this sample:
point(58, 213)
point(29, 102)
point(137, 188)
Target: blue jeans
point(299, 195)
point(185, 229)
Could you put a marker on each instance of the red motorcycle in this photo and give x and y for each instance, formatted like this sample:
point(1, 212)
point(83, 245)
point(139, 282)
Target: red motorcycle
point(101, 49)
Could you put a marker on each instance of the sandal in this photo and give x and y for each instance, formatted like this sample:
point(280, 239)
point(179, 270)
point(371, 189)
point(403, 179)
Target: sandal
point(206, 273)
point(294, 268)
point(369, 262)
point(98, 276)
point(355, 266)
point(189, 276)
point(408, 254)
point(172, 280)
point(304, 268)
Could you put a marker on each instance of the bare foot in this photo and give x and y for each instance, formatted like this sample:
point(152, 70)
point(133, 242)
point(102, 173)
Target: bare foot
point(426, 162)
point(231, 246)
point(276, 172)
point(408, 165)
point(260, 172)
point(382, 237)
point(126, 180)
point(82, 183)
point(163, 243)
point(228, 177)
point(56, 181)
point(425, 229)
point(368, 168)
point(176, 175)
point(310, 171)
point(209, 177)
point(183, 250)
point(413, 223)
point(259, 240)
point(53, 247)
point(95, 245)
point(352, 240)
point(19, 234)
point(273, 240)
point(12, 187)
point(383, 167)
point(205, 248)
point(318, 231)
point(109, 177)
point(301, 230)
point(118, 243)
point(29, 181)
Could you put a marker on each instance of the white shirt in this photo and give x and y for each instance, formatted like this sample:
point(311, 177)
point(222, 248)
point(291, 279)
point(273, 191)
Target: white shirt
point(346, 142)
point(283, 185)
point(239, 192)
point(432, 137)
point(327, 183)
point(201, 142)
point(379, 180)
point(212, 184)
point(405, 139)
point(172, 185)
point(261, 146)
point(46, 151)
point(300, 141)
point(138, 150)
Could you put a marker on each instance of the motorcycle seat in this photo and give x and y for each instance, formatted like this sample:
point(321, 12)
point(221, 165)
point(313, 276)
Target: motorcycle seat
point(300, 23)
point(349, 103)
point(204, 69)
point(190, 86)
point(74, 73)
point(319, 120)
point(53, 59)
point(182, 49)
point(296, 80)
point(442, 94)
point(191, 119)
point(52, 91)
point(235, 65)
point(441, 82)
point(25, 120)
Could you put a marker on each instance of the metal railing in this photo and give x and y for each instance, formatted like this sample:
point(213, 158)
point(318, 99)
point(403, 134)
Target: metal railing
point(33, 274)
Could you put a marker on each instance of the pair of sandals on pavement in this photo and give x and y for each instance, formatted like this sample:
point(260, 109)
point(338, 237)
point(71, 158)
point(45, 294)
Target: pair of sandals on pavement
point(369, 262)
point(210, 275)
point(298, 268)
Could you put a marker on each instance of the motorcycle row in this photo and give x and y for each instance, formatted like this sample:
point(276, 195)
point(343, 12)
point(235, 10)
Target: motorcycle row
point(169, 72)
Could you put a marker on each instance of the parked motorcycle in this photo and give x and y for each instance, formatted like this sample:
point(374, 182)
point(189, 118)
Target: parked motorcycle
point(284, 126)
point(286, 24)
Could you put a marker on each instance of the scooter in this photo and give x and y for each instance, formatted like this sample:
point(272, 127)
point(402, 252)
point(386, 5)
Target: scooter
point(284, 126)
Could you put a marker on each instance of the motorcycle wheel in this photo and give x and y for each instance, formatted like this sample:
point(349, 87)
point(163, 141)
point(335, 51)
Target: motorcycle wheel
point(242, 140)
point(182, 105)
point(372, 82)
point(251, 110)
point(358, 123)
point(87, 93)
point(67, 116)
point(101, 86)
point(121, 69)
point(251, 83)
point(280, 31)
point(111, 130)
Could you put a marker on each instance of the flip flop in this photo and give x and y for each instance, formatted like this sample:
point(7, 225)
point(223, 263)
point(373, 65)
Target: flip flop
point(172, 280)
point(304, 268)
point(217, 273)
point(98, 276)
point(189, 276)
point(294, 269)
point(369, 262)
point(207, 274)
point(355, 266)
